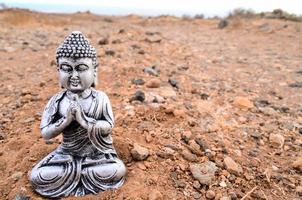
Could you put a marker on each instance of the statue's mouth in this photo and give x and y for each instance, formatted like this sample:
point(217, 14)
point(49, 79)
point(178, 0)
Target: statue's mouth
point(74, 82)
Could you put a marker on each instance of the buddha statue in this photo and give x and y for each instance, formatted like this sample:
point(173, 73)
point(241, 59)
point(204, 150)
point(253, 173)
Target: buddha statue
point(86, 161)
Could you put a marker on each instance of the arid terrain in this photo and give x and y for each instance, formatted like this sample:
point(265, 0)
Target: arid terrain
point(201, 112)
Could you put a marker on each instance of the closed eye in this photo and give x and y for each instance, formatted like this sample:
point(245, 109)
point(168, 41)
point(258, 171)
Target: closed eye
point(81, 67)
point(66, 68)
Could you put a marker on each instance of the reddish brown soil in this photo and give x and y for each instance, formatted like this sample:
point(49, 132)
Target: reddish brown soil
point(249, 70)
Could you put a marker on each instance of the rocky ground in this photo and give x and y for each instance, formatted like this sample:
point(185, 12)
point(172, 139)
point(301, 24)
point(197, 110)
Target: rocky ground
point(201, 112)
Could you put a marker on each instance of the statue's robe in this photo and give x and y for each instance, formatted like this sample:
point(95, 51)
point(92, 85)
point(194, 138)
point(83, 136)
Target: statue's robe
point(86, 161)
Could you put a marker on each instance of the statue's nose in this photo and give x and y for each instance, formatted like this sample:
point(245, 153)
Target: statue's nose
point(74, 74)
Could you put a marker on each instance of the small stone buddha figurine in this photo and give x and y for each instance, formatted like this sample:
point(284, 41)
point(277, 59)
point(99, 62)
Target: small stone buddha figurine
point(86, 161)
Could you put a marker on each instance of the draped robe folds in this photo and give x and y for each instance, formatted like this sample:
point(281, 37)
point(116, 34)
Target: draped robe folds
point(86, 161)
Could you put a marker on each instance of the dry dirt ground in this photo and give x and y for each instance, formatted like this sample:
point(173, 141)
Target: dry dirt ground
point(221, 118)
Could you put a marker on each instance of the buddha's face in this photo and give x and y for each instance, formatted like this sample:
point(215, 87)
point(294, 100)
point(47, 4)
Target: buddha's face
point(76, 75)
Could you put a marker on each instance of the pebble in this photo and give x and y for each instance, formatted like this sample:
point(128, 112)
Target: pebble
point(297, 164)
point(204, 172)
point(138, 96)
point(153, 83)
point(189, 156)
point(194, 147)
point(16, 176)
point(103, 41)
point(2, 136)
point(109, 52)
point(225, 198)
point(166, 152)
point(196, 185)
point(243, 103)
point(232, 166)
point(151, 71)
point(196, 195)
point(222, 184)
point(173, 83)
point(210, 194)
point(139, 153)
point(153, 39)
point(276, 140)
point(223, 23)
point(138, 81)
point(186, 136)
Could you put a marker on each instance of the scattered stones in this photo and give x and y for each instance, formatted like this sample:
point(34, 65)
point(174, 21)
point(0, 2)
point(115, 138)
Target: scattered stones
point(204, 173)
point(16, 176)
point(173, 83)
point(297, 164)
point(223, 23)
point(232, 166)
point(243, 103)
point(151, 71)
point(153, 83)
point(276, 140)
point(139, 153)
point(138, 96)
point(103, 41)
point(138, 81)
point(210, 194)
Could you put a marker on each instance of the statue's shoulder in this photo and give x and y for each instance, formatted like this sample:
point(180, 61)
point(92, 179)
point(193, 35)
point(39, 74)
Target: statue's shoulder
point(51, 108)
point(100, 95)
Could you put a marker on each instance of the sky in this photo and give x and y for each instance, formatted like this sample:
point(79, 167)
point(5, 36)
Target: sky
point(157, 7)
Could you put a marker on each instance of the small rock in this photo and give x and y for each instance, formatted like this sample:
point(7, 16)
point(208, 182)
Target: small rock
point(196, 185)
point(299, 190)
point(16, 176)
point(261, 103)
point(155, 195)
point(186, 136)
point(138, 96)
point(153, 83)
point(269, 111)
point(223, 23)
point(166, 152)
point(225, 198)
point(232, 166)
point(2, 136)
point(189, 156)
point(109, 52)
point(151, 71)
point(196, 195)
point(210, 194)
point(204, 96)
point(139, 153)
point(276, 140)
point(298, 164)
point(173, 83)
point(194, 147)
point(20, 196)
point(223, 184)
point(153, 39)
point(204, 173)
point(103, 41)
point(243, 103)
point(138, 81)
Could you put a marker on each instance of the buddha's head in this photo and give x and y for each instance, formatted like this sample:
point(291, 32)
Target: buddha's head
point(77, 63)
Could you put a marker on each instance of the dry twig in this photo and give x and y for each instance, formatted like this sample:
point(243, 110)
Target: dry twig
point(250, 192)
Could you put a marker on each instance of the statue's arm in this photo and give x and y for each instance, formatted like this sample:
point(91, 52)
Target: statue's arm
point(55, 128)
point(50, 125)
